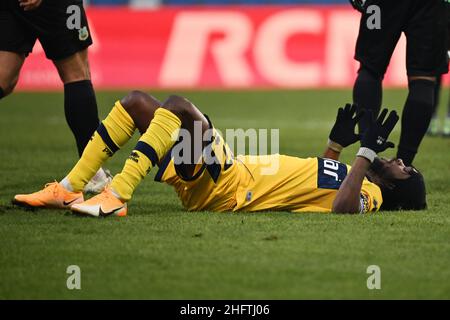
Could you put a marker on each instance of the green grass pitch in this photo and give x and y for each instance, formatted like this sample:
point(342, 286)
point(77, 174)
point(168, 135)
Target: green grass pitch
point(162, 252)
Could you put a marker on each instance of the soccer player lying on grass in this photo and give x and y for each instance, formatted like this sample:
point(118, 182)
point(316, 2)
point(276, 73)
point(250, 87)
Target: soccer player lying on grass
point(214, 180)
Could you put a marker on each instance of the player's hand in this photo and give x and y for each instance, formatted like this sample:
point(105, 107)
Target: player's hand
point(375, 138)
point(29, 5)
point(358, 5)
point(343, 132)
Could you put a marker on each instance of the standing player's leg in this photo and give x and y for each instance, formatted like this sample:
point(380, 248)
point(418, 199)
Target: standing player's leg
point(446, 130)
point(367, 94)
point(80, 107)
point(67, 48)
point(433, 128)
point(426, 34)
point(374, 48)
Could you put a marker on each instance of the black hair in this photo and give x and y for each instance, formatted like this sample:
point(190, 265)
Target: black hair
point(405, 194)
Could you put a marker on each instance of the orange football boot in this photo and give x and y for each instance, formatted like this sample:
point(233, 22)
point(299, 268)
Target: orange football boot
point(54, 195)
point(102, 205)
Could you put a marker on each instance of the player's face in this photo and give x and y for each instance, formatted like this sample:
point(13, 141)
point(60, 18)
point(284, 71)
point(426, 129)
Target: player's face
point(395, 169)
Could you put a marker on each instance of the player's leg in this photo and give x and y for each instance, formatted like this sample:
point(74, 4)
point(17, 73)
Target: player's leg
point(426, 34)
point(67, 48)
point(80, 104)
point(374, 48)
point(175, 113)
point(113, 133)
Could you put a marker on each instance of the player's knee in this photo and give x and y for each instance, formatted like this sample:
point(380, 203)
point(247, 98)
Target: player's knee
point(134, 100)
point(180, 106)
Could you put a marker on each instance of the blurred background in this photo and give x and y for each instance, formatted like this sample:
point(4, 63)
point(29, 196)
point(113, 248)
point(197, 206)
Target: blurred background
point(203, 44)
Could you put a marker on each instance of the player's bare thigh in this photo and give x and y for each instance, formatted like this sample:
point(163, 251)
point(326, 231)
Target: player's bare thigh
point(74, 68)
point(11, 63)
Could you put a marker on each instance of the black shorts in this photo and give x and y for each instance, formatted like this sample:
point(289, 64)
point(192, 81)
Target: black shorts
point(424, 23)
point(48, 23)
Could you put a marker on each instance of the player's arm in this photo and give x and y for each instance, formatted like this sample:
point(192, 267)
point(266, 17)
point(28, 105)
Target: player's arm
point(343, 132)
point(348, 197)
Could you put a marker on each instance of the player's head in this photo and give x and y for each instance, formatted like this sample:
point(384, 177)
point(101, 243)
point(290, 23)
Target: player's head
point(403, 187)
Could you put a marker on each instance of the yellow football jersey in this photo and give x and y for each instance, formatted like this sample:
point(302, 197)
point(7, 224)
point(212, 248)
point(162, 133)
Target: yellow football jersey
point(298, 185)
point(261, 183)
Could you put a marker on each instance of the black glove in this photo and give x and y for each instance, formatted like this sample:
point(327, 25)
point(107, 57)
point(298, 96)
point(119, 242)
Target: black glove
point(358, 5)
point(343, 132)
point(375, 138)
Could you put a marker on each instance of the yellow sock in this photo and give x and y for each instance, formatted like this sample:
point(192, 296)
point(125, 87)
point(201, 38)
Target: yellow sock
point(151, 147)
point(111, 135)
